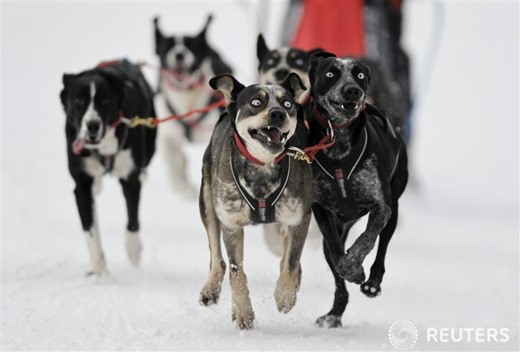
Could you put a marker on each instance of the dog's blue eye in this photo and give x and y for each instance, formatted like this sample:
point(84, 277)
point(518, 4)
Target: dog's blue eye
point(256, 102)
point(329, 74)
point(270, 62)
point(287, 104)
point(361, 75)
point(299, 62)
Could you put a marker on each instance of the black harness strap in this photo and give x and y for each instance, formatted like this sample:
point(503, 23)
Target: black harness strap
point(341, 171)
point(262, 209)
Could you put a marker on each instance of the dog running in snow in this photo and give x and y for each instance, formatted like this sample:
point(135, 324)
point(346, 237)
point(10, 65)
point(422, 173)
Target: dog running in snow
point(98, 143)
point(248, 178)
point(187, 63)
point(364, 172)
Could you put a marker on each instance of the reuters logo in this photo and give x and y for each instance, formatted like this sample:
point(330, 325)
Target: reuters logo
point(402, 335)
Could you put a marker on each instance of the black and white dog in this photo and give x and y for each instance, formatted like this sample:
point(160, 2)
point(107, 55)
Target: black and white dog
point(364, 172)
point(274, 65)
point(248, 178)
point(187, 63)
point(95, 102)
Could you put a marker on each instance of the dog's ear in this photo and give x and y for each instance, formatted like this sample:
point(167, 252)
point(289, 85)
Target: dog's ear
point(202, 34)
point(294, 85)
point(67, 80)
point(261, 48)
point(159, 37)
point(315, 51)
point(315, 59)
point(228, 86)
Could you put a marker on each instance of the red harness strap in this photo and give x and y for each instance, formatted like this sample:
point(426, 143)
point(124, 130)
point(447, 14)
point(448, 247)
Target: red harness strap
point(242, 148)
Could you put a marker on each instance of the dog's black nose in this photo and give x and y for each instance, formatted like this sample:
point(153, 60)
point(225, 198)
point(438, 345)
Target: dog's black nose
point(277, 114)
point(281, 74)
point(353, 93)
point(93, 126)
point(179, 57)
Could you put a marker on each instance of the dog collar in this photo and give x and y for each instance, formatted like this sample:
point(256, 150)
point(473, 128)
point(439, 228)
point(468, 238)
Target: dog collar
point(242, 148)
point(325, 123)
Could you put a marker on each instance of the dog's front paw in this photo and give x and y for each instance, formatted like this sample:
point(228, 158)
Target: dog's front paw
point(243, 318)
point(285, 298)
point(210, 293)
point(99, 268)
point(329, 321)
point(371, 288)
point(133, 247)
point(350, 268)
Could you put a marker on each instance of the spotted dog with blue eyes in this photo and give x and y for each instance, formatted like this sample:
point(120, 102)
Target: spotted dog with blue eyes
point(363, 172)
point(98, 143)
point(248, 178)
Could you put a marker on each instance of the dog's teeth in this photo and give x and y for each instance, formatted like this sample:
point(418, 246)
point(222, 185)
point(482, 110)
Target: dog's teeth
point(269, 139)
point(357, 106)
point(342, 106)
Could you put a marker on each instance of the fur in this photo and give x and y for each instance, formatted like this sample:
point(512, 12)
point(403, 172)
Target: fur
point(93, 101)
point(339, 92)
point(223, 209)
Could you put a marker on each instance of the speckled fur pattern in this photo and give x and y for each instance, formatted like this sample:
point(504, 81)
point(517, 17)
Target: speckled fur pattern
point(225, 212)
point(376, 183)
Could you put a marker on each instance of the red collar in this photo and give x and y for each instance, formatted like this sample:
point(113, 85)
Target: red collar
point(325, 123)
point(181, 81)
point(247, 154)
point(118, 121)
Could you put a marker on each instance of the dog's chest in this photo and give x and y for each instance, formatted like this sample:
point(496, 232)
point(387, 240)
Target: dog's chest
point(121, 165)
point(233, 209)
point(365, 185)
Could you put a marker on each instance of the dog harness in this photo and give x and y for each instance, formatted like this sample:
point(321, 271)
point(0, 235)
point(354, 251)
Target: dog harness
point(262, 209)
point(189, 125)
point(341, 171)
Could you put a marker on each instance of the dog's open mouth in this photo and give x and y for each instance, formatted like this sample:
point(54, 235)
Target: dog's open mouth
point(269, 134)
point(351, 105)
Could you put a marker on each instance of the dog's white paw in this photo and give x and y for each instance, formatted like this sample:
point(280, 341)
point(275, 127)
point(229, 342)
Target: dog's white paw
point(243, 317)
point(133, 247)
point(99, 268)
point(285, 296)
point(210, 293)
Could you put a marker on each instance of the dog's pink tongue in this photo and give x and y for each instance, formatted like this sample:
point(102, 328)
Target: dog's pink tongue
point(273, 133)
point(77, 145)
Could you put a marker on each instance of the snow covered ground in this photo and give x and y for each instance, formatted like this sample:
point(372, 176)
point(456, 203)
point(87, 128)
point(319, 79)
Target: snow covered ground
point(453, 262)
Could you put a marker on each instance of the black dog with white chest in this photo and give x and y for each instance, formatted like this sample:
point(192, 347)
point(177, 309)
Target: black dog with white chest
point(363, 172)
point(100, 142)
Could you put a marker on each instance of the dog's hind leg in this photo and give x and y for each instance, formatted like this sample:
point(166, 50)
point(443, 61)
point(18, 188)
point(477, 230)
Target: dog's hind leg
point(333, 318)
point(173, 153)
point(372, 287)
point(290, 273)
point(350, 265)
point(210, 292)
point(86, 207)
point(242, 311)
point(132, 191)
